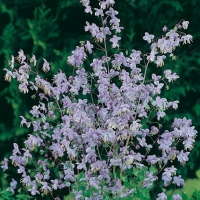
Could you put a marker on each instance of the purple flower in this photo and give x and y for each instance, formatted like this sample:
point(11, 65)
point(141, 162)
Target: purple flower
point(186, 39)
point(111, 12)
point(160, 114)
point(36, 126)
point(164, 28)
point(188, 143)
point(170, 77)
point(26, 180)
point(148, 181)
point(117, 187)
point(174, 104)
point(77, 57)
point(33, 59)
point(156, 79)
point(21, 56)
point(159, 60)
point(23, 88)
point(177, 180)
point(152, 159)
point(176, 197)
point(148, 37)
point(185, 24)
point(119, 59)
point(4, 165)
point(55, 184)
point(99, 12)
point(114, 41)
point(108, 135)
point(16, 149)
point(35, 111)
point(45, 187)
point(183, 157)
point(78, 195)
point(12, 62)
point(45, 66)
point(24, 121)
point(89, 47)
point(13, 185)
point(8, 75)
point(167, 175)
point(152, 56)
point(85, 2)
point(33, 188)
point(161, 196)
point(88, 9)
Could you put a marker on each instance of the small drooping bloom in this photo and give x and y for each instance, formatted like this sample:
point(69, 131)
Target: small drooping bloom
point(23, 88)
point(185, 24)
point(187, 39)
point(159, 60)
point(164, 28)
point(45, 67)
point(33, 59)
point(12, 62)
point(8, 75)
point(21, 56)
point(45, 187)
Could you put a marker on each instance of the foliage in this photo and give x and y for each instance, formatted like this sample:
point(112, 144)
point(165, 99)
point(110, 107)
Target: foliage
point(8, 195)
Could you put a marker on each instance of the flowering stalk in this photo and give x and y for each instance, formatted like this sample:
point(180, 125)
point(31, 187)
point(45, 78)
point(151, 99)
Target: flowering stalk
point(96, 149)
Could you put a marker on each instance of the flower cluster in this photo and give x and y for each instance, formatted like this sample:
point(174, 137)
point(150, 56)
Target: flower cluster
point(92, 145)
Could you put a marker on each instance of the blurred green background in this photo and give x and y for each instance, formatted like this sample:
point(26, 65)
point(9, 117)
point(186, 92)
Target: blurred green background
point(52, 29)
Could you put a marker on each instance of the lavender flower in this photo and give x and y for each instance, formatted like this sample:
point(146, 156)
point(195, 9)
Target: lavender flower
point(114, 41)
point(148, 37)
point(176, 197)
point(161, 196)
point(178, 181)
point(13, 185)
point(185, 24)
point(45, 67)
point(5, 164)
point(148, 181)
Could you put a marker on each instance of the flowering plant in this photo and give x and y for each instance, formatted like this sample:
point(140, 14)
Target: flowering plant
point(110, 145)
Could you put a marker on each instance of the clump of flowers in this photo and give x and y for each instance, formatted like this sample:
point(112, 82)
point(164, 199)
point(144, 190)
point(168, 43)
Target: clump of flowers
point(103, 146)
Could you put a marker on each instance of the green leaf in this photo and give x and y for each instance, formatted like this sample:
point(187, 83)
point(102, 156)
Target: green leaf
point(196, 194)
point(184, 196)
point(153, 169)
point(135, 171)
point(7, 194)
point(198, 173)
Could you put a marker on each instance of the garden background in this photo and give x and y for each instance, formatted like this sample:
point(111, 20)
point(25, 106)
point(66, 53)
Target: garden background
point(52, 29)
